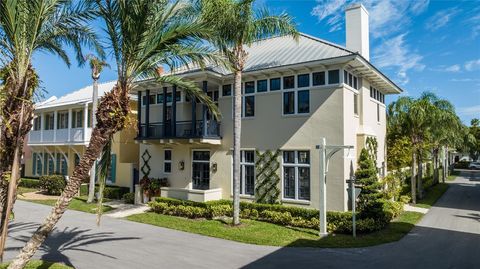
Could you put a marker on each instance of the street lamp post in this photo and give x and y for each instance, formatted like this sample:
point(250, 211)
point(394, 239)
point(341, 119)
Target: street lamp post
point(326, 152)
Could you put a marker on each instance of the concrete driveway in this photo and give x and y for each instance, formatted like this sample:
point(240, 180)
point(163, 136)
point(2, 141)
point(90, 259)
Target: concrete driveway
point(447, 237)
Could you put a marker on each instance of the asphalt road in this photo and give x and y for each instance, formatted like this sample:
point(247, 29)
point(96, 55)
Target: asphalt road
point(447, 237)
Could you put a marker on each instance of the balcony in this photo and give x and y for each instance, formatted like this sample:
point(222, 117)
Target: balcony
point(59, 136)
point(181, 130)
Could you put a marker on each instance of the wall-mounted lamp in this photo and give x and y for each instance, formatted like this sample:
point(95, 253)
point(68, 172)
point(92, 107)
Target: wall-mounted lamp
point(214, 167)
point(181, 165)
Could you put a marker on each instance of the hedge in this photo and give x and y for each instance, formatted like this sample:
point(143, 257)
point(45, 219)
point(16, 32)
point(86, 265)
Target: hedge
point(29, 183)
point(110, 192)
point(338, 222)
point(53, 184)
point(129, 198)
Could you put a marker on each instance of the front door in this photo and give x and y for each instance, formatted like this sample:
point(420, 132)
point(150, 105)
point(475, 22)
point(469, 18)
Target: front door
point(201, 170)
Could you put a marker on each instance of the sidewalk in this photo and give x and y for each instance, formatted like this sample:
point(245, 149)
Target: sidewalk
point(122, 210)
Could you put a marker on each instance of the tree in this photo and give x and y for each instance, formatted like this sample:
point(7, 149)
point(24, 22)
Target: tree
point(366, 176)
point(412, 118)
point(237, 25)
point(26, 27)
point(472, 139)
point(143, 35)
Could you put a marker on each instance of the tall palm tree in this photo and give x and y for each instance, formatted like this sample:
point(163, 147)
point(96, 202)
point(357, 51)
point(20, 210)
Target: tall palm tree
point(412, 118)
point(26, 27)
point(142, 36)
point(237, 25)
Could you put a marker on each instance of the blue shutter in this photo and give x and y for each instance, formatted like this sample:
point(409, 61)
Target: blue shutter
point(58, 160)
point(34, 163)
point(45, 163)
point(113, 168)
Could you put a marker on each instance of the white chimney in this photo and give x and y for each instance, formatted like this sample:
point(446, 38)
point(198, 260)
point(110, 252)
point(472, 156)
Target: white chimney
point(356, 16)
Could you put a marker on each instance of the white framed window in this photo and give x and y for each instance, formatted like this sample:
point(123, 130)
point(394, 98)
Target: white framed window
point(62, 120)
point(296, 175)
point(37, 123)
point(77, 118)
point(167, 161)
point(247, 172)
point(296, 102)
point(49, 118)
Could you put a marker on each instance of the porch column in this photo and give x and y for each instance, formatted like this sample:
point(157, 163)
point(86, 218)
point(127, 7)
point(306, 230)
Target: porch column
point(69, 123)
point(147, 113)
point(164, 114)
point(204, 112)
point(139, 114)
point(194, 116)
point(85, 121)
point(174, 111)
point(42, 125)
point(55, 115)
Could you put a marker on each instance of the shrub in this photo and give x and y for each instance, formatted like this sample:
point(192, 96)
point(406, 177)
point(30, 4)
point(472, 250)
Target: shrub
point(283, 218)
point(110, 192)
point(129, 198)
point(405, 199)
point(220, 210)
point(29, 183)
point(53, 184)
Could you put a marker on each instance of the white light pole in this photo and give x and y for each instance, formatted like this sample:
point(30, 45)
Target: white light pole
point(326, 152)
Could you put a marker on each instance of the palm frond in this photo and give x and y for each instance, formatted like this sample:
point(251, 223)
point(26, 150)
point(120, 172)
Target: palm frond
point(103, 170)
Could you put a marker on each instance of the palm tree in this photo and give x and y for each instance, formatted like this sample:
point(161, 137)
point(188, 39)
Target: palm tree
point(142, 36)
point(412, 118)
point(237, 25)
point(26, 27)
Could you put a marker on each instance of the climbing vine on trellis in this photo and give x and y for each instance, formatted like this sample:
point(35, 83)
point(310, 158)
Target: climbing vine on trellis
point(267, 179)
point(146, 167)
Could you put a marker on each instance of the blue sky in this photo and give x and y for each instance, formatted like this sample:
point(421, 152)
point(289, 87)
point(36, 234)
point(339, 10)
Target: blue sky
point(422, 45)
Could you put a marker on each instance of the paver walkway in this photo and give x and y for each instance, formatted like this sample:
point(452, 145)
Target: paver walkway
point(447, 237)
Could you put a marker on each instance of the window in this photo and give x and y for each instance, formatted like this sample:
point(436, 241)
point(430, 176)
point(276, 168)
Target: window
point(37, 164)
point(49, 121)
point(303, 80)
point(37, 123)
point(153, 99)
point(378, 112)
point(262, 85)
point(213, 95)
point(249, 106)
point(77, 119)
point(247, 172)
point(300, 106)
point(355, 104)
point(159, 98)
point(289, 82)
point(76, 160)
point(250, 87)
point(371, 92)
point(227, 90)
point(167, 161)
point(318, 78)
point(288, 103)
point(62, 120)
point(355, 83)
point(377, 95)
point(296, 175)
point(274, 84)
point(333, 76)
point(345, 76)
point(303, 101)
point(89, 119)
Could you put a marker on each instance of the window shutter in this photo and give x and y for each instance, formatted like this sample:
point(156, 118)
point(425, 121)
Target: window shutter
point(57, 167)
point(113, 168)
point(34, 164)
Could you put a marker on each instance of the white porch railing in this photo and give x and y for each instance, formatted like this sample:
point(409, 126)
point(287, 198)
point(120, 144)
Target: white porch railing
point(60, 136)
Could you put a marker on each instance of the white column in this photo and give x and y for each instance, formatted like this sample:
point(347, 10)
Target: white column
point(42, 126)
point(55, 115)
point(323, 187)
point(69, 123)
point(85, 121)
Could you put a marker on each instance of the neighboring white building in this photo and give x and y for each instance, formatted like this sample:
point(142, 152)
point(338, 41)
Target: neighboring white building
point(61, 132)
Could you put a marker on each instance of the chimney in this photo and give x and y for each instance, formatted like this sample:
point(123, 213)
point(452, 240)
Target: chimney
point(356, 16)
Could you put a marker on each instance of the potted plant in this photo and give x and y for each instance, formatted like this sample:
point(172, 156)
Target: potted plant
point(152, 186)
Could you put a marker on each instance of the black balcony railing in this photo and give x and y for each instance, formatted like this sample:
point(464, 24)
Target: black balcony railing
point(183, 129)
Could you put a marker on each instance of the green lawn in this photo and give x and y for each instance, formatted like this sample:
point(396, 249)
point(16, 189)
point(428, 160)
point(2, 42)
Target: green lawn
point(263, 233)
point(78, 203)
point(22, 190)
point(432, 195)
point(36, 264)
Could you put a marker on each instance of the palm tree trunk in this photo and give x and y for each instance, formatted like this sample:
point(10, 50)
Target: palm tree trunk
point(420, 175)
point(91, 185)
point(435, 166)
point(237, 127)
point(413, 178)
point(111, 116)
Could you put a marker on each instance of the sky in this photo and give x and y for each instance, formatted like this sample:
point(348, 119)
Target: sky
point(422, 45)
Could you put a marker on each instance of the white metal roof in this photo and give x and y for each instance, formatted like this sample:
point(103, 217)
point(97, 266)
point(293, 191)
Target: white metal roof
point(83, 95)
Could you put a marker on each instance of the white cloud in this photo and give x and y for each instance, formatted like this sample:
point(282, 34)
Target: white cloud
point(419, 6)
point(395, 53)
point(472, 65)
point(453, 68)
point(464, 79)
point(441, 18)
point(470, 110)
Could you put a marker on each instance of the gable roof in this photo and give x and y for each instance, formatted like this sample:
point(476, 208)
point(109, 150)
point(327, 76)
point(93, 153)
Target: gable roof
point(83, 95)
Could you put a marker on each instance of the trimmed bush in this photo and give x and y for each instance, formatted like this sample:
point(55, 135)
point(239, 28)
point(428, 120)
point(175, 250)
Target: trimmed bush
point(129, 198)
point(29, 183)
point(110, 192)
point(53, 184)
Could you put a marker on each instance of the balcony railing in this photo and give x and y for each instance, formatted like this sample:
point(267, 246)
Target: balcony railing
point(59, 136)
point(184, 129)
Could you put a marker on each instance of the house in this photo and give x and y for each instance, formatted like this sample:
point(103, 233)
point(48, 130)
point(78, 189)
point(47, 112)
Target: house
point(61, 132)
point(294, 93)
